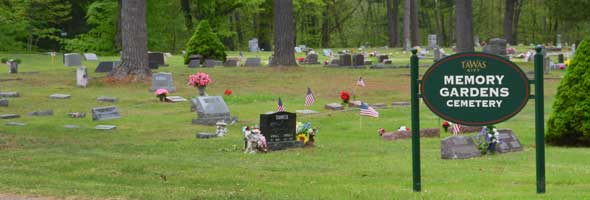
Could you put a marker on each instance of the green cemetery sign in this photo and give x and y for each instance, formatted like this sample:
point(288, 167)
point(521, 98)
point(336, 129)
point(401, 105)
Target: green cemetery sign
point(475, 89)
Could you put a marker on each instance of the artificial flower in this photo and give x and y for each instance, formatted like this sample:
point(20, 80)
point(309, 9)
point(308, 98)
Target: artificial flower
point(345, 96)
point(200, 79)
point(227, 92)
point(302, 137)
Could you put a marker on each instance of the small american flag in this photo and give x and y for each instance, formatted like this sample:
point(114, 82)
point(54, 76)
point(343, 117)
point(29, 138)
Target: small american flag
point(309, 99)
point(360, 82)
point(367, 110)
point(280, 107)
point(456, 129)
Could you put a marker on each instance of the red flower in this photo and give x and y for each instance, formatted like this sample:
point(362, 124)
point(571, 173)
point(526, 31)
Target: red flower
point(227, 92)
point(300, 59)
point(345, 96)
point(445, 123)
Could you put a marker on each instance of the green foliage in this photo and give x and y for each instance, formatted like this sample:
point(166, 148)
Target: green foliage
point(205, 43)
point(569, 123)
point(101, 38)
point(39, 19)
point(5, 60)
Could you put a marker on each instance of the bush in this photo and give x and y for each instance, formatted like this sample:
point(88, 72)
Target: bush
point(205, 43)
point(569, 124)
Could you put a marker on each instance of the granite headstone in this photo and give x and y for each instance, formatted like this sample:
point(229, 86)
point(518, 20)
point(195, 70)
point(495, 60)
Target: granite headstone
point(210, 110)
point(72, 59)
point(458, 147)
point(279, 129)
point(105, 113)
point(162, 80)
point(82, 76)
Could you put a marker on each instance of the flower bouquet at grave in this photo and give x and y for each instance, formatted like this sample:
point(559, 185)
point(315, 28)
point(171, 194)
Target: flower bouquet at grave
point(445, 126)
point(305, 133)
point(487, 139)
point(161, 93)
point(345, 97)
point(200, 80)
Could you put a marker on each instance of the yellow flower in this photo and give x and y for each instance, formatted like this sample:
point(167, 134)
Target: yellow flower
point(302, 137)
point(567, 62)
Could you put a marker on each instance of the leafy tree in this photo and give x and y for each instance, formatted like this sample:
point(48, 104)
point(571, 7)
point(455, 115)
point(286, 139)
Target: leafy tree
point(39, 18)
point(205, 43)
point(569, 124)
point(102, 15)
point(134, 60)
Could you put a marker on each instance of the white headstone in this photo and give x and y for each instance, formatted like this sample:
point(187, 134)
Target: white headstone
point(72, 59)
point(90, 56)
point(82, 76)
point(162, 80)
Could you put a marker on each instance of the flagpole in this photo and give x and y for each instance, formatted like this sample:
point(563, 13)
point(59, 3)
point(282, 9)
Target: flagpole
point(360, 122)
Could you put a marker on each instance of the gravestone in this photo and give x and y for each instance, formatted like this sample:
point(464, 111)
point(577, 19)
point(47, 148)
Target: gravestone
point(209, 63)
point(398, 135)
point(368, 62)
point(4, 102)
point(507, 142)
point(9, 116)
point(355, 104)
point(206, 135)
point(311, 59)
point(358, 60)
point(496, 46)
point(306, 112)
point(12, 67)
point(546, 65)
point(15, 124)
point(400, 103)
point(210, 110)
point(253, 45)
point(327, 52)
point(476, 41)
point(41, 113)
point(432, 42)
point(105, 127)
point(458, 147)
point(77, 115)
point(194, 64)
point(59, 96)
point(382, 58)
point(279, 129)
point(175, 99)
point(560, 58)
point(90, 56)
point(157, 58)
point(232, 62)
point(82, 76)
point(558, 45)
point(387, 62)
point(195, 57)
point(436, 52)
point(107, 99)
point(106, 66)
point(69, 126)
point(334, 106)
point(105, 113)
point(378, 105)
point(252, 62)
point(345, 60)
point(72, 59)
point(162, 80)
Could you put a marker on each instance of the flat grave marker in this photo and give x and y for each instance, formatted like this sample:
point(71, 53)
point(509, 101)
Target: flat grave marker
point(105, 113)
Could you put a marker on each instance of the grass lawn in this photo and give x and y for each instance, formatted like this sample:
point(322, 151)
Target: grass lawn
point(153, 153)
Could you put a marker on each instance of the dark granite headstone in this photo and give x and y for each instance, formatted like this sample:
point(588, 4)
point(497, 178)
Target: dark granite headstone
point(107, 99)
point(381, 58)
point(345, 60)
point(387, 62)
point(157, 58)
point(106, 66)
point(162, 80)
point(232, 62)
point(9, 116)
point(210, 110)
point(105, 113)
point(279, 130)
point(209, 63)
point(311, 59)
point(560, 58)
point(198, 58)
point(507, 142)
point(400, 103)
point(358, 60)
point(4, 102)
point(12, 67)
point(496, 46)
point(206, 135)
point(252, 62)
point(194, 64)
point(458, 147)
point(398, 135)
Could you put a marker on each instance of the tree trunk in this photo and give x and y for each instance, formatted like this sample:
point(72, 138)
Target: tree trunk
point(118, 41)
point(517, 9)
point(392, 22)
point(239, 30)
point(188, 18)
point(407, 8)
point(134, 61)
point(326, 27)
point(464, 27)
point(508, 21)
point(414, 28)
point(284, 30)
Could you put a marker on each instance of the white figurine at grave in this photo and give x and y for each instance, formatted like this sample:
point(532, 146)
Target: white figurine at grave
point(255, 142)
point(221, 129)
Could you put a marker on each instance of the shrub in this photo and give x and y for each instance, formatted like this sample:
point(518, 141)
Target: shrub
point(205, 43)
point(569, 124)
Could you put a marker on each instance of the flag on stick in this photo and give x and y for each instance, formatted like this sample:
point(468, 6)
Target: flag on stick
point(309, 99)
point(280, 106)
point(367, 110)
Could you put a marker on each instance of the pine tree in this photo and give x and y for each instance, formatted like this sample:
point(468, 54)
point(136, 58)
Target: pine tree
point(569, 124)
point(205, 43)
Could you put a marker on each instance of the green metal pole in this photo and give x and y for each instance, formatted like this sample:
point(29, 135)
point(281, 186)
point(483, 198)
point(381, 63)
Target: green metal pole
point(415, 121)
point(539, 121)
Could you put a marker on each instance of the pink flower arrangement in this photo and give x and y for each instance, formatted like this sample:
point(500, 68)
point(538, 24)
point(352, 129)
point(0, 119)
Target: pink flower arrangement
point(161, 93)
point(200, 79)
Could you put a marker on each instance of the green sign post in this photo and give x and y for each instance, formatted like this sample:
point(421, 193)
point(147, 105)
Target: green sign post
point(476, 89)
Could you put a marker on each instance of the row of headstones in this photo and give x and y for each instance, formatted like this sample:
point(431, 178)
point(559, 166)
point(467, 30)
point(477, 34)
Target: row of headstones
point(98, 113)
point(358, 61)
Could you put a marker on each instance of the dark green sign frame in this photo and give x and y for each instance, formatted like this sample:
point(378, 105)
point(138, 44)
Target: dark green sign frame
point(475, 89)
point(518, 100)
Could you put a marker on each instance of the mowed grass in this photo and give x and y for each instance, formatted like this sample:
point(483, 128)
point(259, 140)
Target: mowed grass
point(153, 154)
